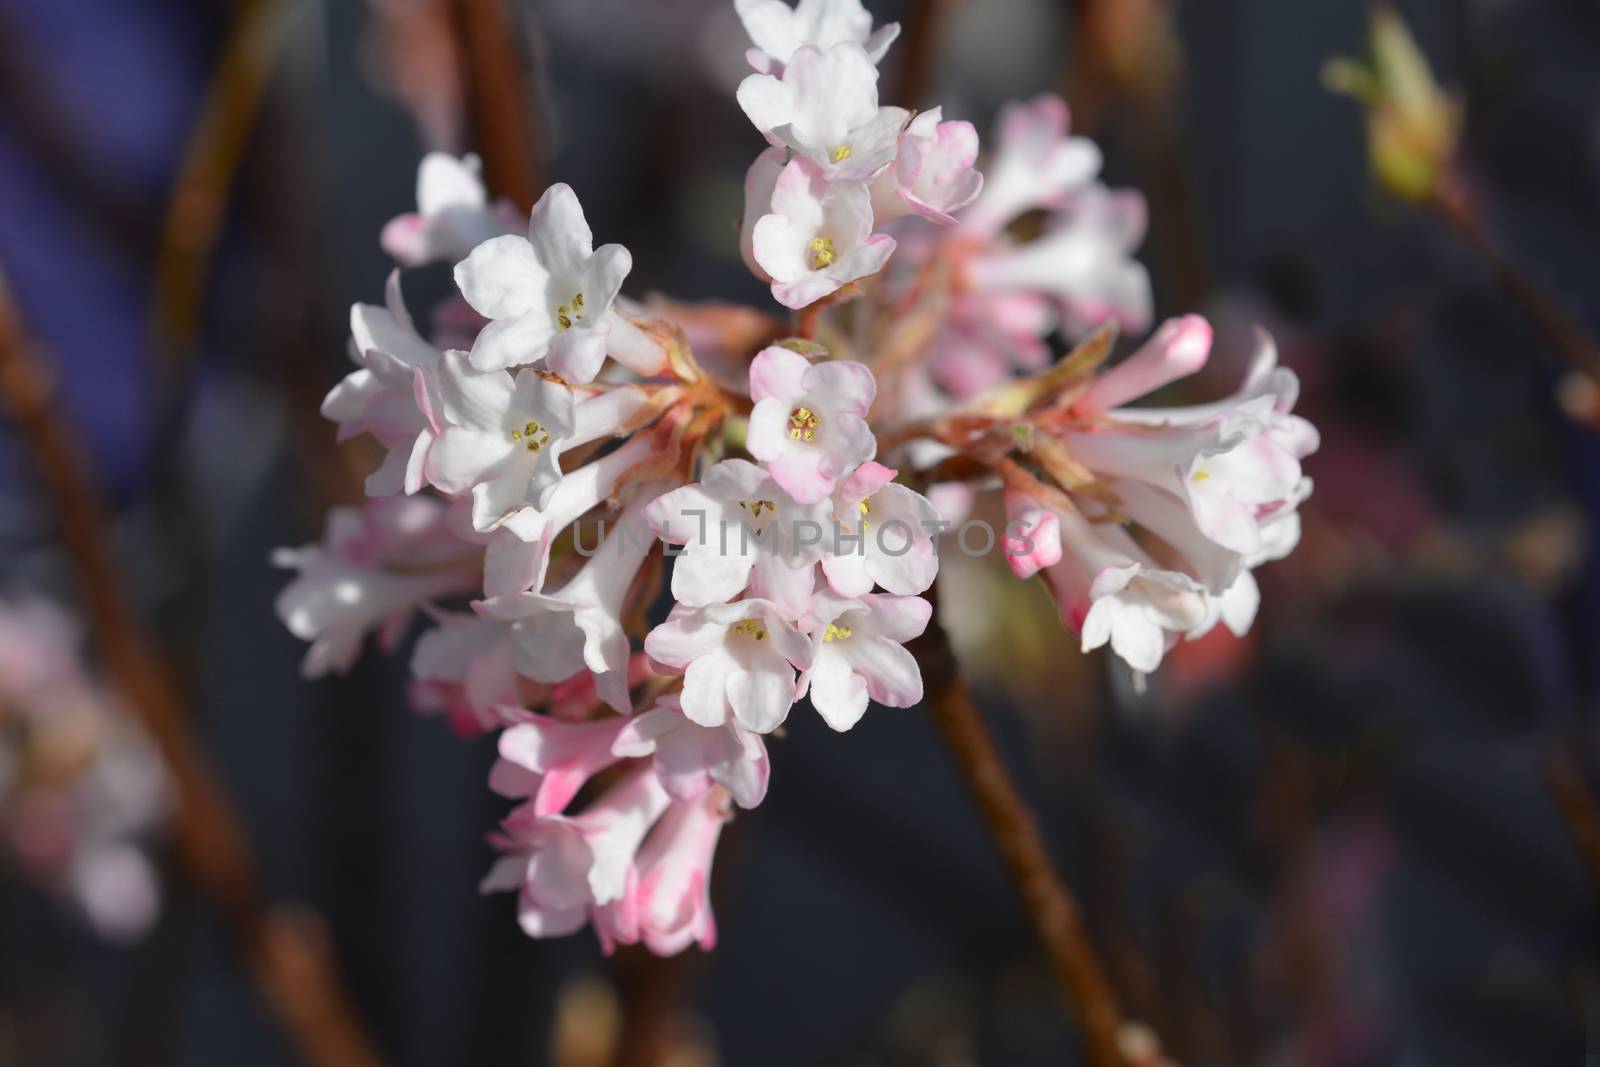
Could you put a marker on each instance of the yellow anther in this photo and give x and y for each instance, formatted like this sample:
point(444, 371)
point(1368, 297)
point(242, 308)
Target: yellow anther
point(835, 632)
point(841, 153)
point(1199, 476)
point(532, 436)
point(756, 507)
point(750, 628)
point(803, 423)
point(568, 312)
point(866, 506)
point(822, 252)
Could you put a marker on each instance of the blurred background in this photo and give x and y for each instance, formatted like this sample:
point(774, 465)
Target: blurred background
point(1356, 838)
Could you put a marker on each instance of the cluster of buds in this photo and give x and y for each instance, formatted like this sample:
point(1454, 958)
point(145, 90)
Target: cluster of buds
point(553, 446)
point(81, 785)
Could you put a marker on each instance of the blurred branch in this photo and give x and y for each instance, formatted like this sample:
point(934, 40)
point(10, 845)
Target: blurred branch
point(503, 116)
point(1582, 813)
point(1049, 905)
point(1128, 63)
point(287, 949)
point(193, 223)
point(1451, 203)
point(919, 50)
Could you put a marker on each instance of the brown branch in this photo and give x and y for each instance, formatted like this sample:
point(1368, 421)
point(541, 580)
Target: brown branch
point(193, 223)
point(919, 49)
point(1050, 906)
point(1452, 203)
point(1579, 808)
point(286, 949)
point(497, 91)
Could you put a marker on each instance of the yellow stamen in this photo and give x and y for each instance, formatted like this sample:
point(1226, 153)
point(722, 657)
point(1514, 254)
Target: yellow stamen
point(566, 313)
point(756, 507)
point(750, 628)
point(841, 153)
point(835, 632)
point(803, 423)
point(822, 252)
point(1199, 476)
point(532, 436)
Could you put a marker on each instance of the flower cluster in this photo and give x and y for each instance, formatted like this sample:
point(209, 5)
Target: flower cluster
point(80, 783)
point(552, 448)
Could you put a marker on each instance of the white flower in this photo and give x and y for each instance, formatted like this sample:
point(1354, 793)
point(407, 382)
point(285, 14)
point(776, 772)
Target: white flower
point(858, 652)
point(818, 237)
point(809, 421)
point(500, 437)
point(690, 758)
point(740, 529)
point(1106, 588)
point(549, 294)
point(1035, 165)
point(1229, 470)
point(344, 587)
point(825, 108)
point(1084, 260)
point(778, 30)
point(579, 626)
point(453, 214)
point(738, 662)
point(886, 536)
point(397, 364)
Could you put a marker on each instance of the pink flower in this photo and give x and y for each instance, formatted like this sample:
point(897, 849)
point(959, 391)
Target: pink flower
point(549, 294)
point(396, 365)
point(809, 422)
point(738, 662)
point(818, 236)
point(1176, 350)
point(453, 215)
point(467, 662)
point(778, 30)
point(565, 867)
point(690, 758)
point(550, 760)
point(671, 900)
point(887, 536)
point(825, 108)
point(858, 652)
point(933, 174)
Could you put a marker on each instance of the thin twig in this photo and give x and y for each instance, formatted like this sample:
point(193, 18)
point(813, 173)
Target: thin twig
point(919, 48)
point(1456, 208)
point(193, 223)
point(1049, 905)
point(503, 116)
point(1578, 806)
point(287, 949)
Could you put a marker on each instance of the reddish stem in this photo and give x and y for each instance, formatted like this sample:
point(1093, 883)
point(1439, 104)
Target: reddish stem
point(1049, 904)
